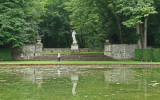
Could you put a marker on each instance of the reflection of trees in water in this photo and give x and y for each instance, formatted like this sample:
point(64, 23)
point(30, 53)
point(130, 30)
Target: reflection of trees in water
point(34, 76)
point(38, 75)
point(119, 75)
point(125, 75)
point(93, 78)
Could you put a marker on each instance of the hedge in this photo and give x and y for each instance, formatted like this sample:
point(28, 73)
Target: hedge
point(147, 54)
point(138, 54)
point(150, 54)
point(5, 54)
point(156, 54)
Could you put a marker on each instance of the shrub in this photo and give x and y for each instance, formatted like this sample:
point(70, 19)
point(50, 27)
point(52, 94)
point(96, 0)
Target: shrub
point(147, 53)
point(5, 54)
point(156, 54)
point(138, 54)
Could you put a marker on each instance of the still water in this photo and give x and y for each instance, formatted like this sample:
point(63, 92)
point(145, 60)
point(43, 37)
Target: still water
point(79, 83)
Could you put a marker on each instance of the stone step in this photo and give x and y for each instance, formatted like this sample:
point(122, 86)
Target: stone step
point(74, 57)
point(82, 55)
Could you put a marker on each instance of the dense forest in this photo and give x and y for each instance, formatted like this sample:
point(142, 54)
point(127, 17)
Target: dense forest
point(120, 21)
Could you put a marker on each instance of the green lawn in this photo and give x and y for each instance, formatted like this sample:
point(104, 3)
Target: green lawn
point(78, 62)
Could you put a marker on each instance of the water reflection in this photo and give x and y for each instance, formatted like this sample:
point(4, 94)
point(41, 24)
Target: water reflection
point(58, 72)
point(34, 76)
point(74, 79)
point(119, 75)
point(125, 76)
point(60, 83)
point(38, 78)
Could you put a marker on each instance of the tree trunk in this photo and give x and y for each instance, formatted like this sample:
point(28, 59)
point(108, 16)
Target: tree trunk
point(119, 27)
point(118, 23)
point(142, 34)
point(138, 32)
point(145, 33)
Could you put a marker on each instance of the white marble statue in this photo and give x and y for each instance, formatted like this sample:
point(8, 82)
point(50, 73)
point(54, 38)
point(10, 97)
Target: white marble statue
point(74, 37)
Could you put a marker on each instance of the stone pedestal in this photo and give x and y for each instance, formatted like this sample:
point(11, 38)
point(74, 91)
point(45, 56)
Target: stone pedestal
point(38, 50)
point(74, 48)
point(108, 50)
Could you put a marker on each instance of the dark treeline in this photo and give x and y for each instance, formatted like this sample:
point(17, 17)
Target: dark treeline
point(120, 21)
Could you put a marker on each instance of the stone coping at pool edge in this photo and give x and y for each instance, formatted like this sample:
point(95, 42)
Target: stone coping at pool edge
point(109, 64)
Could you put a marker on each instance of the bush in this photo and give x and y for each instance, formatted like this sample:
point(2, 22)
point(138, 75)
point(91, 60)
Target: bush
point(147, 53)
point(138, 54)
point(5, 54)
point(156, 54)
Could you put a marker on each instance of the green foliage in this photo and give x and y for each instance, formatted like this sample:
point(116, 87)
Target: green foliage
point(154, 27)
point(12, 24)
point(5, 54)
point(136, 10)
point(147, 54)
point(18, 24)
point(156, 54)
point(138, 54)
point(85, 18)
point(94, 21)
point(55, 25)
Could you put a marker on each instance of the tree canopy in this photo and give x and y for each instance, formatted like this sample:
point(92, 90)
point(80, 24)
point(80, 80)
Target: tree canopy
point(120, 21)
point(18, 24)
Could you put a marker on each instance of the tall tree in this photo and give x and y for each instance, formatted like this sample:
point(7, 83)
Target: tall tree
point(138, 12)
point(154, 27)
point(17, 23)
point(55, 25)
point(86, 20)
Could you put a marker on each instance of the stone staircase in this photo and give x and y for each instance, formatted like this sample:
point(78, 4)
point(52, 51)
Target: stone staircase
point(74, 57)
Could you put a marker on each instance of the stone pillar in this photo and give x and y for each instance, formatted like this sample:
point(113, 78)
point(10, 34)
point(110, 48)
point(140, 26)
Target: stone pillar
point(108, 49)
point(38, 49)
point(74, 48)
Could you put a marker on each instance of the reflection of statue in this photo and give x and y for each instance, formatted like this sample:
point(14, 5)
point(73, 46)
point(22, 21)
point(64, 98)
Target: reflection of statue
point(35, 76)
point(74, 79)
point(38, 78)
point(58, 72)
point(39, 83)
point(74, 37)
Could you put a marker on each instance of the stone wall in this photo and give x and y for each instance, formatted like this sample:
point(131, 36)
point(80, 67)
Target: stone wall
point(69, 49)
point(120, 51)
point(25, 53)
point(28, 52)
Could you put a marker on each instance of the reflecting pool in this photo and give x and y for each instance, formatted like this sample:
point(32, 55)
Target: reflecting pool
point(79, 83)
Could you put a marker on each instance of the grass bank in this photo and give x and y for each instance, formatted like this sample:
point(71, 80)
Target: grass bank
point(77, 62)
